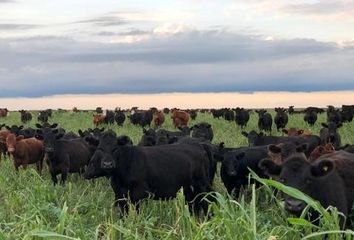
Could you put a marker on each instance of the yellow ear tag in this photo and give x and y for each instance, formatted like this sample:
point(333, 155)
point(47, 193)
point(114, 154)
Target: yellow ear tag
point(325, 168)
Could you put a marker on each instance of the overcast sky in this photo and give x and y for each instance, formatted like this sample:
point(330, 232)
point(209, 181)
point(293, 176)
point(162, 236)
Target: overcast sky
point(52, 47)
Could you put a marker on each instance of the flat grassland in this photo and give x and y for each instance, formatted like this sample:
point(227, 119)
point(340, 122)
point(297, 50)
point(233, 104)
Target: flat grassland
point(32, 208)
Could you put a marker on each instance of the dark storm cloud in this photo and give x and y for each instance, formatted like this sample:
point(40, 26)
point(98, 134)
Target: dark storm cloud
point(193, 61)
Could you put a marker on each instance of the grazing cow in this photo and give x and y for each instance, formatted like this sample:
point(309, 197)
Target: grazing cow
point(281, 118)
point(236, 164)
point(217, 113)
point(329, 134)
point(25, 116)
point(229, 115)
point(328, 180)
point(291, 132)
point(203, 130)
point(99, 110)
point(25, 151)
point(4, 112)
point(242, 117)
point(43, 116)
point(159, 118)
point(321, 150)
point(193, 114)
point(119, 117)
point(98, 119)
point(291, 110)
point(64, 155)
point(265, 120)
point(179, 118)
point(255, 139)
point(160, 171)
point(109, 117)
point(310, 117)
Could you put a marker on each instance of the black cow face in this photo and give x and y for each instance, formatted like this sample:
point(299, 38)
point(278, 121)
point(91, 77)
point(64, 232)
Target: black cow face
point(231, 163)
point(332, 131)
point(252, 137)
point(203, 130)
point(298, 173)
point(49, 137)
point(104, 158)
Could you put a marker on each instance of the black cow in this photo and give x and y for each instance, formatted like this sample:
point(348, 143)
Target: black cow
point(14, 129)
point(310, 117)
point(159, 171)
point(168, 137)
point(329, 134)
point(99, 110)
point(43, 116)
point(229, 115)
point(328, 180)
point(217, 113)
point(192, 114)
point(234, 168)
point(109, 118)
point(64, 155)
point(27, 132)
point(147, 118)
point(148, 138)
point(255, 139)
point(334, 116)
point(25, 116)
point(281, 118)
point(242, 117)
point(203, 130)
point(166, 111)
point(119, 117)
point(264, 121)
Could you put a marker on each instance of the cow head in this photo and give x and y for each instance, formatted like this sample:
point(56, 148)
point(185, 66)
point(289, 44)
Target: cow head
point(11, 141)
point(298, 173)
point(49, 137)
point(332, 131)
point(252, 137)
point(279, 152)
point(203, 130)
point(231, 163)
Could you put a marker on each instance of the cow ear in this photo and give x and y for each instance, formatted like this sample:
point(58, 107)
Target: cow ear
point(244, 133)
point(302, 148)
point(54, 125)
point(102, 129)
point(144, 131)
point(19, 138)
point(274, 148)
point(285, 131)
point(240, 155)
point(81, 133)
point(270, 167)
point(322, 168)
point(221, 145)
point(20, 127)
point(324, 125)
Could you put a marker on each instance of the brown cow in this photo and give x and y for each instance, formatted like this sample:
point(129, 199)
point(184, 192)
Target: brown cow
point(3, 136)
point(3, 112)
point(321, 150)
point(25, 151)
point(179, 118)
point(159, 118)
point(98, 119)
point(291, 132)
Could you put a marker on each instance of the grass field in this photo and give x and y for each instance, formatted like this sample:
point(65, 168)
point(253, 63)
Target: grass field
point(32, 208)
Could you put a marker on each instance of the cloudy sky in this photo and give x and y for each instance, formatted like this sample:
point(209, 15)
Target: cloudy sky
point(151, 46)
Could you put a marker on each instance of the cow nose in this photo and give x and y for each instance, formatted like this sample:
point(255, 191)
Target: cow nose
point(49, 149)
point(331, 139)
point(11, 149)
point(107, 165)
point(232, 173)
point(294, 205)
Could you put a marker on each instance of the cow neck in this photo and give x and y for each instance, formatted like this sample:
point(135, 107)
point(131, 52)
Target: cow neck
point(124, 159)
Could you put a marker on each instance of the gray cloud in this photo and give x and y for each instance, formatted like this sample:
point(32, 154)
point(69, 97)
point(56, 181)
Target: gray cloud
point(131, 32)
point(193, 61)
point(105, 21)
point(14, 26)
point(7, 1)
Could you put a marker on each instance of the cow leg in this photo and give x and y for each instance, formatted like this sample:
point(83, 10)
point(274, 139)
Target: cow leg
point(64, 176)
point(137, 193)
point(54, 178)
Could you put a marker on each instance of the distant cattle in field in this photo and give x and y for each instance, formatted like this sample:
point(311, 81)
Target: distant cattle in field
point(310, 117)
point(109, 117)
point(4, 112)
point(265, 121)
point(236, 164)
point(99, 110)
point(98, 119)
point(291, 132)
point(334, 115)
point(158, 171)
point(166, 111)
point(229, 115)
point(149, 138)
point(242, 117)
point(347, 113)
point(159, 118)
point(25, 151)
point(217, 113)
point(168, 137)
point(142, 118)
point(179, 118)
point(193, 114)
point(329, 134)
point(25, 116)
point(314, 109)
point(203, 130)
point(281, 118)
point(119, 117)
point(3, 136)
point(332, 172)
point(43, 116)
point(15, 129)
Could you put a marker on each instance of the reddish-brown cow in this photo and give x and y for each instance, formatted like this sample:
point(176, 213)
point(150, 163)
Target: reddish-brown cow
point(159, 118)
point(3, 136)
point(3, 112)
point(291, 132)
point(25, 151)
point(98, 119)
point(179, 118)
point(321, 150)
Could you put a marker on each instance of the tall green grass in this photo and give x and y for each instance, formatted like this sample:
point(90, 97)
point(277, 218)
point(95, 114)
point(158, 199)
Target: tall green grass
point(32, 208)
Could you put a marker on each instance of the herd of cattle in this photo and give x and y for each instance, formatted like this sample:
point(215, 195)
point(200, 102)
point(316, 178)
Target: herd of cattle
point(164, 161)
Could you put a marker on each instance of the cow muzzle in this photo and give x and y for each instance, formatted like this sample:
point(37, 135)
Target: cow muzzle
point(11, 149)
point(49, 149)
point(294, 206)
